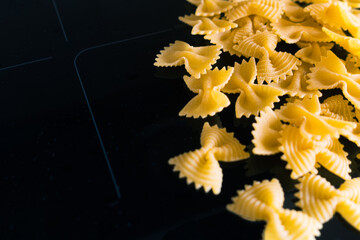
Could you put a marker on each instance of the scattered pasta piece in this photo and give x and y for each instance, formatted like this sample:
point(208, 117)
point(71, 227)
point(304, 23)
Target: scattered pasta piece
point(250, 25)
point(272, 65)
point(312, 52)
point(307, 30)
point(197, 60)
point(209, 100)
point(266, 133)
point(303, 154)
point(204, 25)
point(335, 14)
point(298, 151)
point(224, 40)
point(212, 7)
point(305, 114)
point(294, 12)
point(331, 73)
point(339, 108)
point(296, 84)
point(253, 97)
point(350, 44)
point(264, 202)
point(270, 9)
point(319, 199)
point(201, 166)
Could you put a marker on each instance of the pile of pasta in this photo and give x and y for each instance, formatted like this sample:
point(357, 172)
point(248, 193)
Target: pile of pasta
point(305, 128)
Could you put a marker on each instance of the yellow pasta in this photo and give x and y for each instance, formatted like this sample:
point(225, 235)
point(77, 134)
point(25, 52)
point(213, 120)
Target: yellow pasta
point(303, 130)
point(263, 201)
point(294, 12)
point(336, 15)
point(307, 30)
point(201, 166)
point(211, 7)
point(204, 25)
point(350, 44)
point(224, 40)
point(337, 107)
point(305, 114)
point(312, 52)
point(319, 199)
point(197, 60)
point(253, 97)
point(209, 100)
point(331, 73)
point(270, 9)
point(296, 84)
point(272, 65)
point(250, 25)
point(266, 133)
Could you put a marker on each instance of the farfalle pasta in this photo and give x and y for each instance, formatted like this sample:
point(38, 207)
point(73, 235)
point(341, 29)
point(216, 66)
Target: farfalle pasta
point(296, 84)
point(197, 60)
point(263, 201)
point(267, 128)
point(204, 25)
point(305, 114)
point(201, 166)
point(272, 65)
point(209, 100)
point(331, 73)
point(253, 97)
point(307, 31)
point(319, 199)
point(270, 9)
point(285, 58)
point(336, 15)
point(312, 52)
point(211, 7)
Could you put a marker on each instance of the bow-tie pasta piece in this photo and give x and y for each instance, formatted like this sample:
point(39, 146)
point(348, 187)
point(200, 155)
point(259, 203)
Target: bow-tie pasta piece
point(201, 166)
point(350, 44)
point(319, 199)
point(294, 12)
point(296, 84)
point(305, 114)
point(253, 97)
point(272, 65)
point(266, 133)
point(298, 151)
point(212, 7)
point(270, 9)
point(224, 39)
point(204, 25)
point(308, 31)
point(197, 60)
point(331, 73)
point(338, 107)
point(209, 100)
point(264, 202)
point(351, 3)
point(250, 25)
point(335, 14)
point(303, 154)
point(312, 52)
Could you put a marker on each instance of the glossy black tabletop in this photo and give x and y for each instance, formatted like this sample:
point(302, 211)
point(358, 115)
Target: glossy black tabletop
point(88, 125)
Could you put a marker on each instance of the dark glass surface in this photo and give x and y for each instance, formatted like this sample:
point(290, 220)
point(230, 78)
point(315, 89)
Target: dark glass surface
point(88, 125)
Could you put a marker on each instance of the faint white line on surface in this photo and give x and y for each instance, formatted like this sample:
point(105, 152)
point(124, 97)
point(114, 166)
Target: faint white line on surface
point(26, 63)
point(60, 21)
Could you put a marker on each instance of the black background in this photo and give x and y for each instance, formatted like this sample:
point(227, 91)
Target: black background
point(88, 125)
